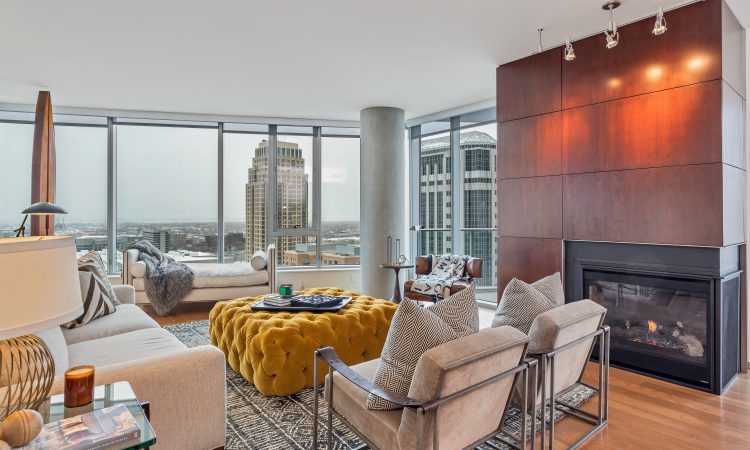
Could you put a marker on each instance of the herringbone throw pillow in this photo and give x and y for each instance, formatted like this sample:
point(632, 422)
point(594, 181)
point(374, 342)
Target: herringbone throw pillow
point(413, 331)
point(96, 303)
point(92, 262)
point(522, 302)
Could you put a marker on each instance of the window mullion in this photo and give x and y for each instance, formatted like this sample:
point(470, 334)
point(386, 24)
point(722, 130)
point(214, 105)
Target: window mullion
point(455, 197)
point(317, 161)
point(271, 218)
point(220, 190)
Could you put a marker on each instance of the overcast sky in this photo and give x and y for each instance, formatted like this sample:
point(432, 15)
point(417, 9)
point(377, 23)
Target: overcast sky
point(164, 174)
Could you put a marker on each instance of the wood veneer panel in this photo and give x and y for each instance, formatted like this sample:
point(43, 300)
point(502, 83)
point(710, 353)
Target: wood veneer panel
point(530, 207)
point(679, 205)
point(733, 127)
point(673, 127)
point(529, 86)
point(527, 259)
point(690, 52)
point(734, 182)
point(43, 164)
point(530, 147)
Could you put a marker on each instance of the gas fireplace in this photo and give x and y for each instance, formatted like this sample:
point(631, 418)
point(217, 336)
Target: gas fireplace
point(671, 314)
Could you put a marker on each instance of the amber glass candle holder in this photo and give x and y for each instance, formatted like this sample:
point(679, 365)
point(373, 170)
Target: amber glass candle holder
point(79, 386)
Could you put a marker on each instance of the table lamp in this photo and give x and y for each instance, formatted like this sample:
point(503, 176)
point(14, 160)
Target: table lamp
point(39, 289)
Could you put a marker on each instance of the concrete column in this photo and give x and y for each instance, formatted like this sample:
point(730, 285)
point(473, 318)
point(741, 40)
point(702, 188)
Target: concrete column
point(382, 195)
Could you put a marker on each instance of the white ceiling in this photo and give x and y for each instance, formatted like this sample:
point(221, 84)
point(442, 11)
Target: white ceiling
point(324, 59)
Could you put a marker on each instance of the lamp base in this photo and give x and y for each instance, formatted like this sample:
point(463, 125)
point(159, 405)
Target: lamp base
point(26, 374)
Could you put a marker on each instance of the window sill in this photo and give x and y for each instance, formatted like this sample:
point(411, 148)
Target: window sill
point(340, 268)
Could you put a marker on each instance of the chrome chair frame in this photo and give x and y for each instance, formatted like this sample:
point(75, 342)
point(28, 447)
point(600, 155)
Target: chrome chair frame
point(422, 408)
point(599, 420)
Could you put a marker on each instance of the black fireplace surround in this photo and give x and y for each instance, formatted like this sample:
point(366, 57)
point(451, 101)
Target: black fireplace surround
point(673, 311)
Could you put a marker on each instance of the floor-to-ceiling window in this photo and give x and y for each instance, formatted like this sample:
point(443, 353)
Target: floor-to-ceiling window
point(245, 190)
point(455, 186)
point(81, 184)
point(167, 189)
point(16, 140)
point(199, 191)
point(340, 197)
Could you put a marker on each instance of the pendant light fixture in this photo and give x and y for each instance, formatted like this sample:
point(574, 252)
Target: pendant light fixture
point(569, 53)
point(660, 26)
point(612, 35)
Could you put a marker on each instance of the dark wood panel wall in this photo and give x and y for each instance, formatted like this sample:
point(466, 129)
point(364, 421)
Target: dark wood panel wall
point(642, 143)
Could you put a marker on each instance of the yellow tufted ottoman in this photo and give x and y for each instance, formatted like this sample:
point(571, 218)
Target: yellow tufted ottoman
point(274, 351)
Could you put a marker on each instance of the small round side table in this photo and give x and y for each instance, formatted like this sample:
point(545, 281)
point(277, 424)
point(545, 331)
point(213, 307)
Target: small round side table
point(397, 289)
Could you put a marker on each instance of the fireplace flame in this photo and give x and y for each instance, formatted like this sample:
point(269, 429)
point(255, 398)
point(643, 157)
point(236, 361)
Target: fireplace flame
point(651, 326)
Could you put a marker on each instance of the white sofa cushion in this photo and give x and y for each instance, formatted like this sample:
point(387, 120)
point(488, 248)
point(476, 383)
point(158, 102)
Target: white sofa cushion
point(125, 319)
point(55, 341)
point(124, 347)
point(210, 275)
point(226, 275)
point(259, 260)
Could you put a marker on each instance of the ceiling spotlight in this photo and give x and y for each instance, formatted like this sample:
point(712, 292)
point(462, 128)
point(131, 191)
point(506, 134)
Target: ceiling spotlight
point(660, 27)
point(540, 40)
point(612, 35)
point(570, 54)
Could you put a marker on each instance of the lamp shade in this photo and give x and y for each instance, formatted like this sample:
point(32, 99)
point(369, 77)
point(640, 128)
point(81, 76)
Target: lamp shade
point(39, 285)
point(43, 208)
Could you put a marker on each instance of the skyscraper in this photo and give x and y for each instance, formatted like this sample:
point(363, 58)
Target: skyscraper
point(291, 197)
point(478, 198)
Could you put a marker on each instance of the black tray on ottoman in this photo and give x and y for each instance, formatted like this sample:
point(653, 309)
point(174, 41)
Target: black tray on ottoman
point(299, 306)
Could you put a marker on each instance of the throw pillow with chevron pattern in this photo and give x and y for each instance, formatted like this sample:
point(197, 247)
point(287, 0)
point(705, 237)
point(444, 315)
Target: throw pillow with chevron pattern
point(413, 331)
point(92, 262)
point(522, 302)
point(96, 302)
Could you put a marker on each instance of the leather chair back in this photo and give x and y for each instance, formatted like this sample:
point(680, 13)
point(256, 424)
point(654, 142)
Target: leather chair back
point(424, 264)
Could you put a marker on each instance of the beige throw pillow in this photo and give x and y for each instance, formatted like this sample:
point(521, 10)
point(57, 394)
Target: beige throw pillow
point(96, 302)
point(522, 302)
point(414, 330)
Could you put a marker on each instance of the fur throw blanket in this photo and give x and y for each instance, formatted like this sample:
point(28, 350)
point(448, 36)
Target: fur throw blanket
point(167, 281)
point(447, 270)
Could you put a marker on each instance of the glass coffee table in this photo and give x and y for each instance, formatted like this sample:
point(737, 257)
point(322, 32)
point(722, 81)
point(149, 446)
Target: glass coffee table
point(107, 395)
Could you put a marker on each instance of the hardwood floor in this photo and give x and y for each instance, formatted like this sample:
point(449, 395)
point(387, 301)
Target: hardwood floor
point(643, 412)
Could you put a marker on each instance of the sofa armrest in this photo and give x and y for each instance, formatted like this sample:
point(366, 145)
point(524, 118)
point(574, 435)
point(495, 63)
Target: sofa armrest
point(186, 391)
point(271, 255)
point(125, 293)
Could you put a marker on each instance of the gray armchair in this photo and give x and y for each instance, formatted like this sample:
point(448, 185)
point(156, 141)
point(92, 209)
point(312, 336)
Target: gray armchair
point(562, 340)
point(459, 396)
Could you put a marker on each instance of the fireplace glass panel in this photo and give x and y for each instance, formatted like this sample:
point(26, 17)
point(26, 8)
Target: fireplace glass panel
point(662, 320)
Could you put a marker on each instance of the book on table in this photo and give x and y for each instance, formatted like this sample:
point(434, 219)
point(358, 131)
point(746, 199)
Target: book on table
point(100, 429)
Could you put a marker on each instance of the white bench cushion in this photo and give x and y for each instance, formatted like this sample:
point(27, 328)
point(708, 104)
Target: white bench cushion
point(227, 275)
point(125, 319)
point(212, 275)
point(124, 347)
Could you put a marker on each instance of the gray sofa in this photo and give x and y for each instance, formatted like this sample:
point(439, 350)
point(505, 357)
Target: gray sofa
point(185, 386)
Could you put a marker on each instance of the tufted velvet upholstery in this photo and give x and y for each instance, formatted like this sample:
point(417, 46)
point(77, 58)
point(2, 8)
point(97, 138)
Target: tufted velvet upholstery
point(274, 351)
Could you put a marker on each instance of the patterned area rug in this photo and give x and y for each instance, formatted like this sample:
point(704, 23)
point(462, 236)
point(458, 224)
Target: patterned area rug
point(258, 422)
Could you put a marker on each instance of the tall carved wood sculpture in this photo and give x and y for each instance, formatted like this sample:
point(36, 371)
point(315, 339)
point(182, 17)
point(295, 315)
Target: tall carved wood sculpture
point(43, 164)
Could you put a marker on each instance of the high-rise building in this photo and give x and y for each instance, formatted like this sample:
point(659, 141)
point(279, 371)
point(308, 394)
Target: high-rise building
point(478, 198)
point(160, 239)
point(291, 197)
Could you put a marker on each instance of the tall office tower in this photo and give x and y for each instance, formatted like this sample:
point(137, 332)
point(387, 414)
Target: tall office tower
point(160, 239)
point(477, 199)
point(291, 197)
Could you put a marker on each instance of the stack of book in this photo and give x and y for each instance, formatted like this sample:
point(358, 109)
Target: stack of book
point(277, 300)
point(107, 428)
